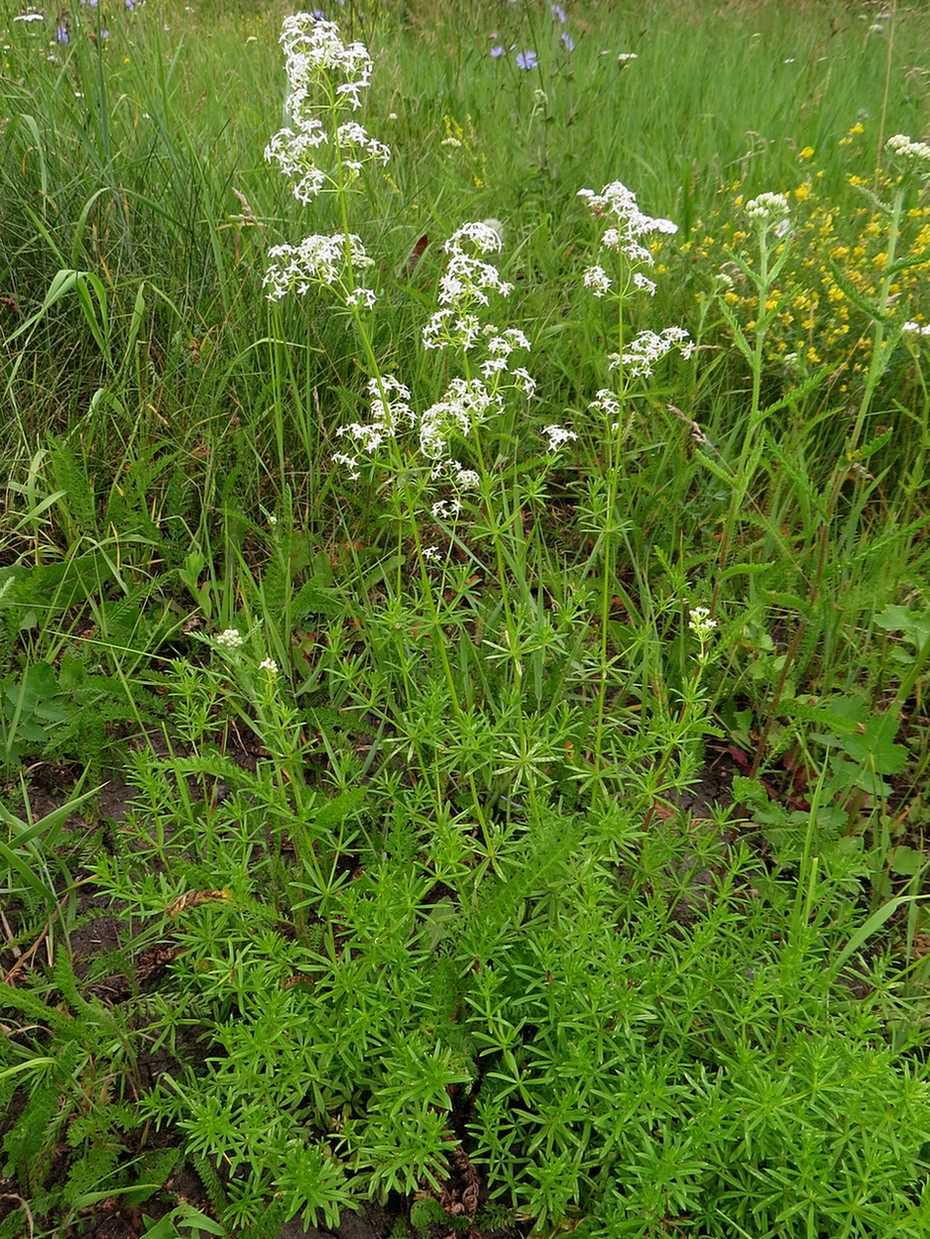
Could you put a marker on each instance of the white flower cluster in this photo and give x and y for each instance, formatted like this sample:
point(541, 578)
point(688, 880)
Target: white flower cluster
point(465, 404)
point(768, 210)
point(597, 279)
point(700, 623)
point(291, 152)
point(466, 276)
point(317, 260)
point(358, 145)
point(912, 328)
point(320, 67)
point(607, 403)
point(913, 152)
point(314, 51)
point(629, 225)
point(465, 284)
point(230, 638)
point(557, 436)
point(449, 327)
point(648, 347)
point(386, 416)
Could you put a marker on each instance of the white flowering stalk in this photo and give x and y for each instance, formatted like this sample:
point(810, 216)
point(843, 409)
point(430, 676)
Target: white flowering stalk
point(325, 78)
point(701, 624)
point(620, 276)
point(628, 229)
point(468, 402)
point(465, 286)
point(319, 152)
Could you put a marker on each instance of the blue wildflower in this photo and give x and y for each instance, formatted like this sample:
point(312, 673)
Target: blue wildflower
point(61, 34)
point(497, 51)
point(557, 11)
point(527, 60)
point(567, 41)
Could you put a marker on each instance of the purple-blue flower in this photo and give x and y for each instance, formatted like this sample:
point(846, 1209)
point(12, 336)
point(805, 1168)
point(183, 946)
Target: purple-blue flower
point(61, 34)
point(497, 51)
point(567, 41)
point(559, 12)
point(527, 60)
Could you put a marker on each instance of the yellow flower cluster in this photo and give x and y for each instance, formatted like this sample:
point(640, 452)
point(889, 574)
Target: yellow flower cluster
point(836, 258)
point(464, 139)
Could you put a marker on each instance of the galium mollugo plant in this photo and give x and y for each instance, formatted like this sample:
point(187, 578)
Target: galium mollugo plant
point(442, 462)
point(625, 242)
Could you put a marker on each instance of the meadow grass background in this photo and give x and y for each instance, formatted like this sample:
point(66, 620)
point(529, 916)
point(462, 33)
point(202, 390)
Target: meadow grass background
point(448, 920)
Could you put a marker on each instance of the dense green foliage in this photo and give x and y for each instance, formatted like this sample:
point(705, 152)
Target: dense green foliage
point(406, 657)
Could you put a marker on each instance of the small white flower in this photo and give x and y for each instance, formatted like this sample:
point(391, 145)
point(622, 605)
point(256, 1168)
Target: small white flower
point(700, 623)
point(340, 458)
point(557, 436)
point(269, 665)
point(431, 554)
point(230, 638)
point(642, 281)
point(597, 279)
point(917, 329)
point(623, 57)
point(525, 381)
